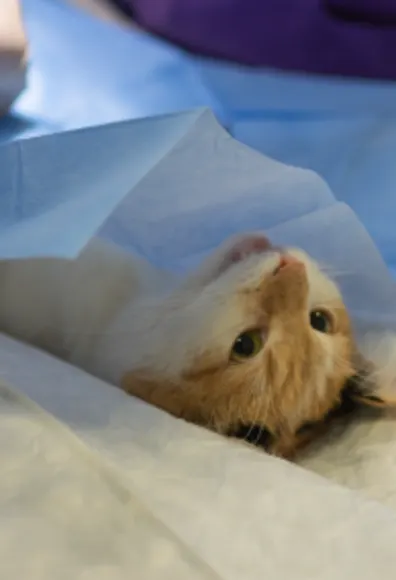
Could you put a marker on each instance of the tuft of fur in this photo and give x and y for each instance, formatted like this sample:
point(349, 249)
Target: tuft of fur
point(169, 341)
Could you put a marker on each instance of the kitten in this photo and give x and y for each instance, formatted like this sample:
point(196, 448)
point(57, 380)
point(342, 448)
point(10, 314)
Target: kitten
point(256, 343)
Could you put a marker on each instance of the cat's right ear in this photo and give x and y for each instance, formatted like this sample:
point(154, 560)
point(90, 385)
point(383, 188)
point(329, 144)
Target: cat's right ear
point(232, 251)
point(374, 384)
point(365, 390)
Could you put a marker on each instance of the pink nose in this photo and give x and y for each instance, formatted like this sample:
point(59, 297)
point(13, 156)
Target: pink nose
point(286, 261)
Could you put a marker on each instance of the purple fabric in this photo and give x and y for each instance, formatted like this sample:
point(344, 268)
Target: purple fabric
point(373, 11)
point(303, 35)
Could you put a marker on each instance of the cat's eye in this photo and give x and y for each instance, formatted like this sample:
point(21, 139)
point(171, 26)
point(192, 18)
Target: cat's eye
point(320, 321)
point(247, 345)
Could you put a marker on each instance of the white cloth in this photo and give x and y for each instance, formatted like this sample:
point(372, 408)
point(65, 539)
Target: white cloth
point(77, 470)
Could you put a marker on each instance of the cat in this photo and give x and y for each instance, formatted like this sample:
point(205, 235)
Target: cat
point(255, 343)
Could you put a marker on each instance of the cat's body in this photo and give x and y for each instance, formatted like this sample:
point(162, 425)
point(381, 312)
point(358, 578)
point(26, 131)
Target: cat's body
point(257, 336)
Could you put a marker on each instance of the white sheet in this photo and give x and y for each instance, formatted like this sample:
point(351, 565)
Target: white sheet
point(360, 454)
point(241, 513)
point(64, 514)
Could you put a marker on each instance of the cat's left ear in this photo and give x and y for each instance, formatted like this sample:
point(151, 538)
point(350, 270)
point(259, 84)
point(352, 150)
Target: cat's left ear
point(374, 383)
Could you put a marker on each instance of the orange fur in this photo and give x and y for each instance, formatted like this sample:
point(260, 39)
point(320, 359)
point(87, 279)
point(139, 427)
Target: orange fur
point(286, 385)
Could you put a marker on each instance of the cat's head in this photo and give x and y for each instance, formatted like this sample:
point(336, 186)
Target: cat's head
point(256, 343)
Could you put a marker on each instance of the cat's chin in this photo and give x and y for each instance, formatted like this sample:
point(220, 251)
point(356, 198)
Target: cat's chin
point(239, 249)
point(247, 245)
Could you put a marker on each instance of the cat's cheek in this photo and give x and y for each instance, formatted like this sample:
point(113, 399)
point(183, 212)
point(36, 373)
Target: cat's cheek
point(153, 391)
point(164, 394)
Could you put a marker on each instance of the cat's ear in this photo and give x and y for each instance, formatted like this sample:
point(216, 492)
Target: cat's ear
point(232, 251)
point(374, 384)
point(366, 391)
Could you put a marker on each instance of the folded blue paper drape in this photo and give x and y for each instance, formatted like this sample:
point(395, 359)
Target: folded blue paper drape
point(173, 187)
point(59, 188)
point(345, 131)
point(86, 72)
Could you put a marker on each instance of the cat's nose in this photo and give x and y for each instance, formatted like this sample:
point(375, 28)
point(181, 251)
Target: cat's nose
point(287, 261)
point(287, 289)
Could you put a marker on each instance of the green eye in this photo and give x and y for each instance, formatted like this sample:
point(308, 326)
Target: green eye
point(247, 345)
